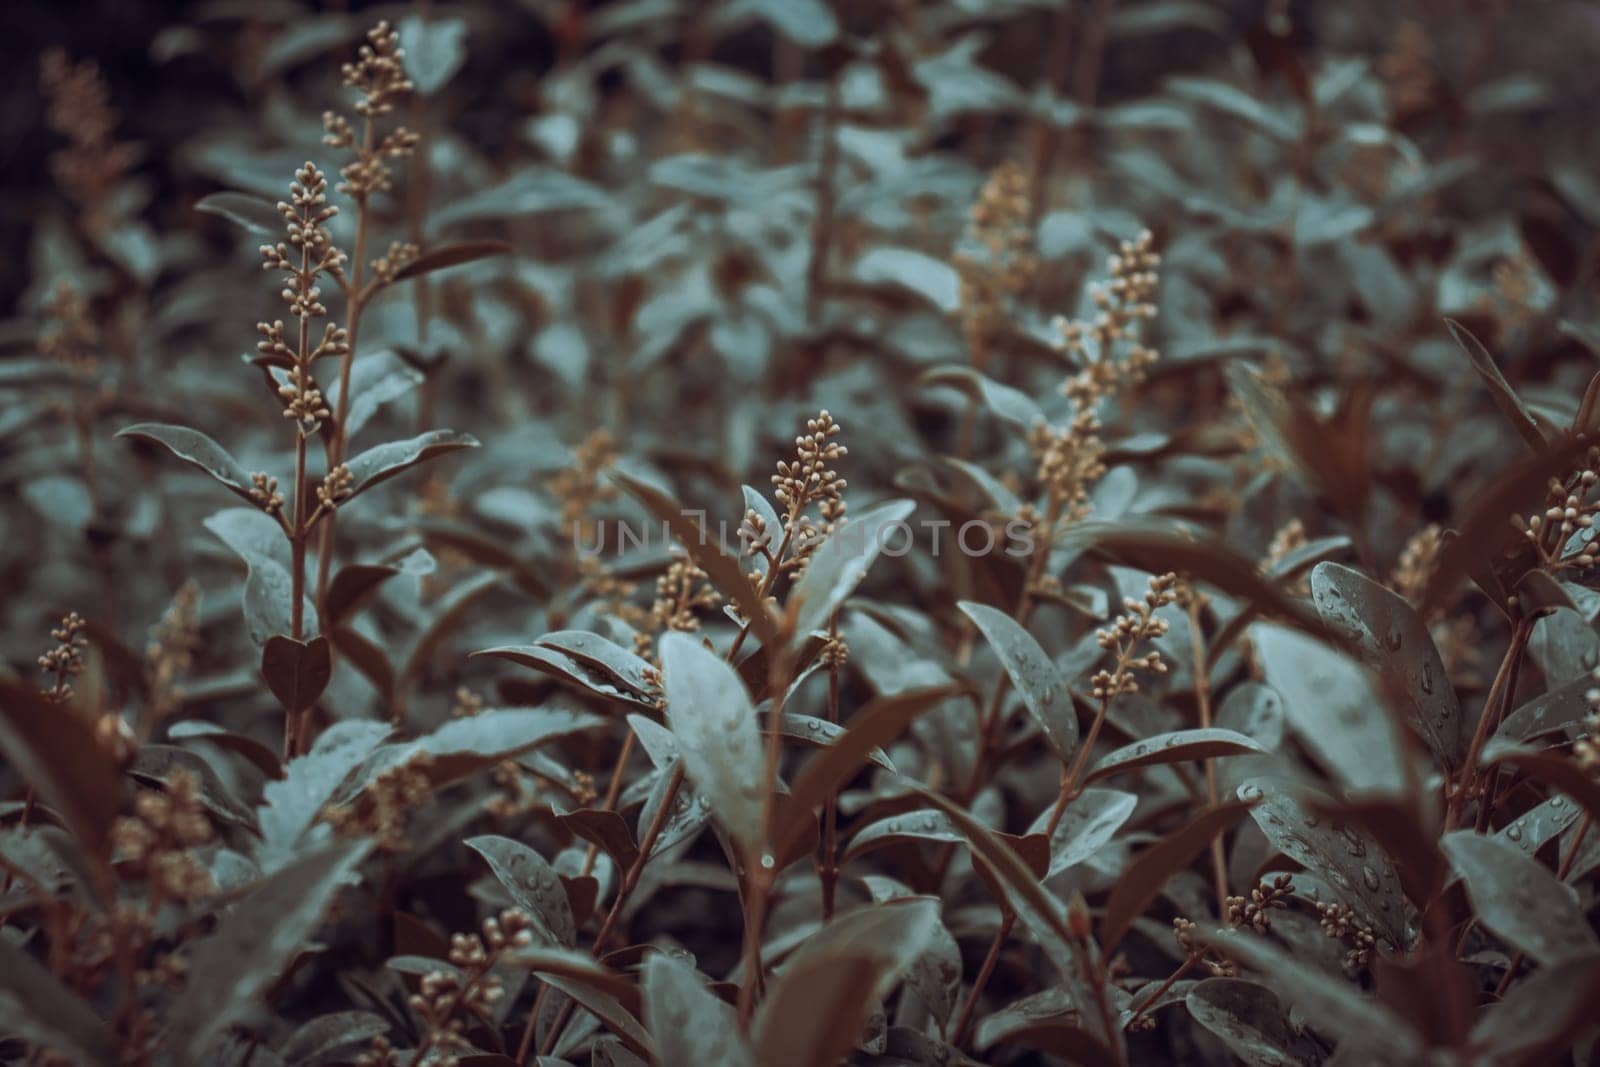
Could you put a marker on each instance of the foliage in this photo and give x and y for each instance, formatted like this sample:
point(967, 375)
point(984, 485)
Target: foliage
point(792, 532)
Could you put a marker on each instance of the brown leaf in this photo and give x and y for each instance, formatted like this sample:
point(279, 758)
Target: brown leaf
point(451, 256)
point(1145, 876)
point(297, 671)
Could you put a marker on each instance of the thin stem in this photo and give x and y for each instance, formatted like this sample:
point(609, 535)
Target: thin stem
point(1172, 980)
point(1463, 787)
point(964, 1020)
point(612, 791)
point(828, 868)
point(1202, 697)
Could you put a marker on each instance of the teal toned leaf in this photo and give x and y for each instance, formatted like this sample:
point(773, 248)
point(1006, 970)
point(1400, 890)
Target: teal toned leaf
point(712, 718)
point(382, 462)
point(1505, 397)
point(291, 806)
point(195, 448)
point(246, 954)
point(841, 562)
point(533, 884)
point(1252, 1022)
point(1034, 675)
point(1395, 643)
point(1175, 747)
point(252, 213)
point(38, 1009)
point(1519, 900)
point(1089, 823)
point(689, 1022)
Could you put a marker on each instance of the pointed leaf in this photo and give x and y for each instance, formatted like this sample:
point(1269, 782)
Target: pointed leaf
point(1505, 397)
point(252, 213)
point(252, 944)
point(45, 743)
point(1176, 747)
point(714, 722)
point(451, 256)
point(840, 562)
point(1518, 899)
point(195, 448)
point(690, 1023)
point(1252, 1022)
point(382, 462)
point(1394, 641)
point(533, 884)
point(1033, 673)
point(1088, 824)
point(40, 1010)
point(1150, 871)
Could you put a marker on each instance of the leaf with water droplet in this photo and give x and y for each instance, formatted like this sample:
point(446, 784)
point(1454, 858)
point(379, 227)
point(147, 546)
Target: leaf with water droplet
point(1254, 710)
point(1338, 1009)
point(709, 712)
point(1394, 642)
point(914, 826)
point(1359, 871)
point(1178, 746)
point(1033, 673)
point(1335, 706)
point(533, 884)
point(1250, 1019)
point(1518, 899)
point(690, 1023)
point(1090, 821)
point(841, 562)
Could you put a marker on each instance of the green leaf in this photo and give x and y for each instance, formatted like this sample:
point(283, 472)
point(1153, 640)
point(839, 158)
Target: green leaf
point(1033, 673)
point(268, 594)
point(1519, 900)
point(195, 448)
point(435, 50)
point(584, 675)
point(1540, 1015)
point(296, 671)
point(1176, 747)
point(375, 379)
point(1008, 403)
point(252, 944)
point(1335, 706)
point(922, 825)
point(714, 722)
point(533, 884)
point(464, 746)
point(1394, 641)
point(840, 563)
point(1505, 397)
point(690, 1023)
point(382, 462)
point(808, 23)
point(321, 1039)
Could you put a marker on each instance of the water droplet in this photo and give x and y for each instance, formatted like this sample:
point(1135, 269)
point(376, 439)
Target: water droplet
point(1514, 831)
point(1426, 682)
point(1370, 877)
point(1250, 792)
point(767, 862)
point(1393, 640)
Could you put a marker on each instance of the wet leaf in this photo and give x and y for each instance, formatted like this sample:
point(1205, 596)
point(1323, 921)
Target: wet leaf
point(253, 943)
point(1252, 1022)
point(1335, 707)
point(321, 1039)
point(291, 806)
point(533, 884)
point(714, 722)
point(1338, 1009)
point(1394, 641)
point(1034, 675)
point(1520, 901)
point(1088, 825)
point(841, 562)
point(915, 826)
point(1541, 1014)
point(296, 671)
point(1347, 858)
point(584, 675)
point(195, 448)
point(1179, 746)
point(690, 1023)
point(382, 462)
point(820, 733)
